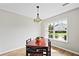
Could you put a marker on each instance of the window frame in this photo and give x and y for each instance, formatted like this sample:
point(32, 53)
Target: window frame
point(54, 31)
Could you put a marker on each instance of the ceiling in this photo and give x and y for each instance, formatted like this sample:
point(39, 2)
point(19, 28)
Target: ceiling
point(46, 10)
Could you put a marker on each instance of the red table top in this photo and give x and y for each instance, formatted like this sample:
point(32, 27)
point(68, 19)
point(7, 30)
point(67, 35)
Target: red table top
point(33, 43)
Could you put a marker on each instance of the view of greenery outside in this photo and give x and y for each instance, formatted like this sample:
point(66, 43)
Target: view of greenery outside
point(50, 30)
point(62, 34)
point(58, 33)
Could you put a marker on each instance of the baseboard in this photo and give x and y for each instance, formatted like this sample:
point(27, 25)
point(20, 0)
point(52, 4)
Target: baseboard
point(67, 50)
point(10, 50)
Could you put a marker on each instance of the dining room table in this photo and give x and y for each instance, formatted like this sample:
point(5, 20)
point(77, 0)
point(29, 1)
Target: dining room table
point(32, 44)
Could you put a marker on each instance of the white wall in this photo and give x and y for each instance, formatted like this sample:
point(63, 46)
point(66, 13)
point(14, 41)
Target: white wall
point(73, 29)
point(15, 29)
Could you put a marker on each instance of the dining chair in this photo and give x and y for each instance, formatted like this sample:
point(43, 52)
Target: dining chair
point(32, 51)
point(35, 53)
point(28, 40)
point(49, 47)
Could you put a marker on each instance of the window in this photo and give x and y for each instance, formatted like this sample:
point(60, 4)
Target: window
point(58, 30)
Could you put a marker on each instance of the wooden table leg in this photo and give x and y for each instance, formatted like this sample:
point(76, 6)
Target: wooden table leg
point(46, 51)
point(26, 52)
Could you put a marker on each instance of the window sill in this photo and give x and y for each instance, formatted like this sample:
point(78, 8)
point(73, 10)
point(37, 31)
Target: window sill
point(58, 40)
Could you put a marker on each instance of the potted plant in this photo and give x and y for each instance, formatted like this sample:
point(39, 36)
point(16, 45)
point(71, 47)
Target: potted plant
point(37, 40)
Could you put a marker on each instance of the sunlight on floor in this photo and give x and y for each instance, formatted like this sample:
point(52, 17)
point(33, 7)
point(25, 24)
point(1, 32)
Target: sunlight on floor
point(56, 53)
